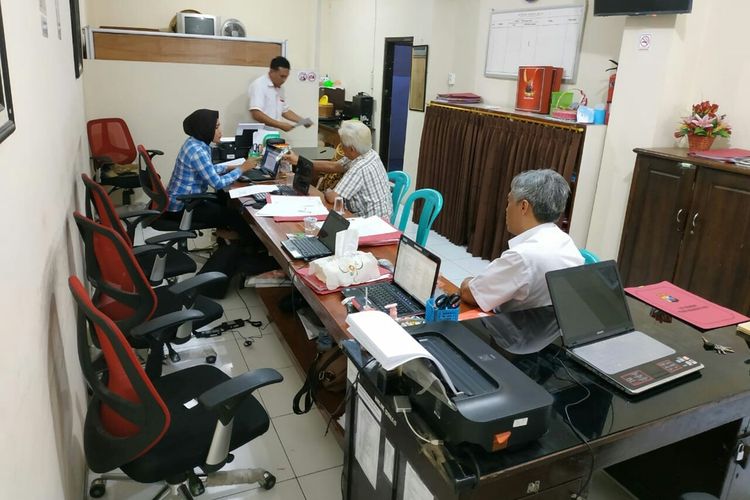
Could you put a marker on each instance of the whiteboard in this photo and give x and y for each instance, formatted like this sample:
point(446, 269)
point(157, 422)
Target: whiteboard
point(538, 37)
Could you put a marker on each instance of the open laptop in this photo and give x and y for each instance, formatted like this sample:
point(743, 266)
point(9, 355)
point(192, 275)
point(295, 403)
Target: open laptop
point(269, 166)
point(322, 245)
point(597, 330)
point(415, 275)
point(301, 184)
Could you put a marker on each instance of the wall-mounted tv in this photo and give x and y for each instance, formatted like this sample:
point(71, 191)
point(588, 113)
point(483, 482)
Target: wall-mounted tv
point(641, 7)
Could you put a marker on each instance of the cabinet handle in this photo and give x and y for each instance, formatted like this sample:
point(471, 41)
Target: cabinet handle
point(679, 212)
point(685, 165)
point(695, 219)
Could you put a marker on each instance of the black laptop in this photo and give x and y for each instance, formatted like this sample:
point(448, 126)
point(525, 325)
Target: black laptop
point(269, 166)
point(322, 245)
point(415, 275)
point(597, 330)
point(302, 180)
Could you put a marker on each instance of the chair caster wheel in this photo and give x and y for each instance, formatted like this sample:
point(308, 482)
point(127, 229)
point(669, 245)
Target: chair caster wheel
point(230, 458)
point(98, 488)
point(174, 357)
point(195, 485)
point(268, 481)
point(211, 359)
point(248, 342)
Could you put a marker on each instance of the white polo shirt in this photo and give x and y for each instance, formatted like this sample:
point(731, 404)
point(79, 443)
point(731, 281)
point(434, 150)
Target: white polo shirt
point(263, 95)
point(516, 280)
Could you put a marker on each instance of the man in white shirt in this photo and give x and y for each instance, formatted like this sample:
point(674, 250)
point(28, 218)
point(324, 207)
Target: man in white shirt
point(516, 279)
point(267, 102)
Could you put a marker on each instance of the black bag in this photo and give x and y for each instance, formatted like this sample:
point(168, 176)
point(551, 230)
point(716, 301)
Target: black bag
point(328, 370)
point(230, 260)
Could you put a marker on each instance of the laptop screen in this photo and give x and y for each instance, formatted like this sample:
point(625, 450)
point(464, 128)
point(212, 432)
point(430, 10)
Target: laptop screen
point(589, 302)
point(271, 159)
point(303, 177)
point(416, 270)
point(332, 225)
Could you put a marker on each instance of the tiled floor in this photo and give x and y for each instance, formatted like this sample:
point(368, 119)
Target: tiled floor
point(306, 462)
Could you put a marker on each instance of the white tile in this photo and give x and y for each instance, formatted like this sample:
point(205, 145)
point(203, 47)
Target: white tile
point(256, 313)
point(277, 398)
point(324, 485)
point(453, 273)
point(286, 490)
point(474, 265)
point(228, 355)
point(308, 449)
point(449, 251)
point(251, 297)
point(232, 300)
point(265, 352)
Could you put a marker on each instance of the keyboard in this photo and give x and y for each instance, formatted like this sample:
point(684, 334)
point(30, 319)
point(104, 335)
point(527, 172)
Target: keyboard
point(382, 294)
point(284, 190)
point(310, 247)
point(260, 197)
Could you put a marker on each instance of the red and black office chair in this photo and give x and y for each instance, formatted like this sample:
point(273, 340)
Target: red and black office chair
point(158, 258)
point(113, 153)
point(124, 294)
point(145, 427)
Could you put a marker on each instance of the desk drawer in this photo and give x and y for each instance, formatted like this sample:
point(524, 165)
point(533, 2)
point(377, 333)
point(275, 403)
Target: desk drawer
point(540, 479)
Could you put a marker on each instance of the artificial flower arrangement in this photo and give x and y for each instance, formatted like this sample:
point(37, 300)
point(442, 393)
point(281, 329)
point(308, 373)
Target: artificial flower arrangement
point(704, 122)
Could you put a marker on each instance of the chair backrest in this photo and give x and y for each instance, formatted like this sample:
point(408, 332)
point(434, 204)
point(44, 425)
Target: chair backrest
point(126, 416)
point(433, 204)
point(588, 257)
point(111, 137)
point(99, 207)
point(151, 183)
point(122, 291)
point(401, 182)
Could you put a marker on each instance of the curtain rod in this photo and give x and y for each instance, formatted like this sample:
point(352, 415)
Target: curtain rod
point(513, 117)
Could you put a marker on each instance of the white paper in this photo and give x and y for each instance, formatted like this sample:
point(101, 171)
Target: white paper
point(236, 161)
point(371, 226)
point(389, 343)
point(414, 488)
point(367, 443)
point(289, 206)
point(251, 190)
point(388, 460)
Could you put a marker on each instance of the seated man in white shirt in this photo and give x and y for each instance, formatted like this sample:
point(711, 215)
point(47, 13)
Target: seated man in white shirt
point(516, 280)
point(267, 101)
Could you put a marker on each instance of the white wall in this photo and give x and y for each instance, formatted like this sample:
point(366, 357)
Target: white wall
point(43, 393)
point(693, 57)
point(154, 98)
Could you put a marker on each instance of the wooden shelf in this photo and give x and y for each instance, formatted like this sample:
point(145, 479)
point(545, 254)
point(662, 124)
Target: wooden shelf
point(131, 45)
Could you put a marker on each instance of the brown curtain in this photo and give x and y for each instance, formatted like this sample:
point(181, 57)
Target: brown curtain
point(471, 158)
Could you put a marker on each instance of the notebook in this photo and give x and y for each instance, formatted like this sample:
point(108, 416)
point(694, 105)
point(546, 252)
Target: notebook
point(415, 275)
point(597, 330)
point(322, 245)
point(269, 166)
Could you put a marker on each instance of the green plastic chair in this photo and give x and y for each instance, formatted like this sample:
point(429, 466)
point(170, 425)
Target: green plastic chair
point(401, 182)
point(588, 257)
point(433, 204)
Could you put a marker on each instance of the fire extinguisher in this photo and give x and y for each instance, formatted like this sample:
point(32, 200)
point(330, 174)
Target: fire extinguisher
point(611, 88)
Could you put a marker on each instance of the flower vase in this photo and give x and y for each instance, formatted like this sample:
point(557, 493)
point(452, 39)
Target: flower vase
point(699, 142)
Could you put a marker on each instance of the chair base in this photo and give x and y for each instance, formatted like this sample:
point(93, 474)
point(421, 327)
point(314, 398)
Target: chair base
point(194, 486)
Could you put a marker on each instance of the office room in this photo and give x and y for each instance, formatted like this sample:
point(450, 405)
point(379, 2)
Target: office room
point(666, 63)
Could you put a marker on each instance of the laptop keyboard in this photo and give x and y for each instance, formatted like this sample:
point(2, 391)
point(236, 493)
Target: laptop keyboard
point(287, 190)
point(310, 246)
point(260, 197)
point(383, 294)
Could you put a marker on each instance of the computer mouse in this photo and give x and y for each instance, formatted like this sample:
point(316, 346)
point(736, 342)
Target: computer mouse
point(386, 264)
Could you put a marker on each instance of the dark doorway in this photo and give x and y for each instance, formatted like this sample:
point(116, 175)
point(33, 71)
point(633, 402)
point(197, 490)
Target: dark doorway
point(395, 101)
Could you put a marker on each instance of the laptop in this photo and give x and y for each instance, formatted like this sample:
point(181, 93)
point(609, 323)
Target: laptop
point(322, 245)
point(302, 180)
point(269, 166)
point(415, 275)
point(597, 330)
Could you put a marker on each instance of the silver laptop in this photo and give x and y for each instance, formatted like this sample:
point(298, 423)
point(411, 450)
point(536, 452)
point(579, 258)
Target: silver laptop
point(269, 166)
point(597, 330)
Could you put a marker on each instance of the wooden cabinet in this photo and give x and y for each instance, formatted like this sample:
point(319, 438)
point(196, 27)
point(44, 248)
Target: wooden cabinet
point(688, 222)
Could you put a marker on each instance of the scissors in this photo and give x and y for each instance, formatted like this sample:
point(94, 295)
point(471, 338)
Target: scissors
point(445, 301)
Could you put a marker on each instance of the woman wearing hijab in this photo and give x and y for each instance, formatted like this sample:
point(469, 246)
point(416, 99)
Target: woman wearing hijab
point(194, 172)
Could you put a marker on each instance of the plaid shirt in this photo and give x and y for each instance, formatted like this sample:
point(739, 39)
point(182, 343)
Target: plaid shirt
point(365, 186)
point(193, 173)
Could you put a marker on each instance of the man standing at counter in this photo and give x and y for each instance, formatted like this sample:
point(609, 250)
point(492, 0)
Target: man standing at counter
point(267, 101)
point(516, 279)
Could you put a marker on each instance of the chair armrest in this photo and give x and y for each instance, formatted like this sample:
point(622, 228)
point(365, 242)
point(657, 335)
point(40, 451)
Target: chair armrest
point(226, 396)
point(141, 213)
point(155, 326)
point(154, 152)
point(197, 196)
point(144, 249)
point(197, 281)
point(170, 237)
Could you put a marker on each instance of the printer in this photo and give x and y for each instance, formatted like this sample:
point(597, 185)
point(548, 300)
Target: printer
point(497, 406)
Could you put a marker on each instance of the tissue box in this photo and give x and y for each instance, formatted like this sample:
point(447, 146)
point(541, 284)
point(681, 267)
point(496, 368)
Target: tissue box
point(345, 270)
point(432, 313)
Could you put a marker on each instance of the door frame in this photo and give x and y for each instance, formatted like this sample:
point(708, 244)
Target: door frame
point(387, 92)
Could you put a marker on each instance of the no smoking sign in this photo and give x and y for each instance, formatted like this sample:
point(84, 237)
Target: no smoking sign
point(644, 41)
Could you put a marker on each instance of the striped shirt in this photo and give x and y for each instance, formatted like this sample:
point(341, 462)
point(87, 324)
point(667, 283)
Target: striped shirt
point(365, 186)
point(194, 172)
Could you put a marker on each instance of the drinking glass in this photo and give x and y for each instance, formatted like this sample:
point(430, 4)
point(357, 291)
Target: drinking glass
point(310, 227)
point(338, 205)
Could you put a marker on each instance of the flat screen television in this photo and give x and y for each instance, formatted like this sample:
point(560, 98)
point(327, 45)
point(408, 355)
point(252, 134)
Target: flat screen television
point(198, 24)
point(641, 7)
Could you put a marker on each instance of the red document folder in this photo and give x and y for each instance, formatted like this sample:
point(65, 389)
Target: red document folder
point(686, 306)
point(535, 87)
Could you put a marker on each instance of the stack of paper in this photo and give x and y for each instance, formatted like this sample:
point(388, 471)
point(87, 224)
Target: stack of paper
point(389, 343)
point(731, 155)
point(251, 190)
point(293, 206)
point(460, 98)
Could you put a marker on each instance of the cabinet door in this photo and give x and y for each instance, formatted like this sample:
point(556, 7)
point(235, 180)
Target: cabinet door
point(657, 211)
point(714, 262)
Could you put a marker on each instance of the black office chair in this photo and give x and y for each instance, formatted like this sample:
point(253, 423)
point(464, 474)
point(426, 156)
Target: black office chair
point(145, 427)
